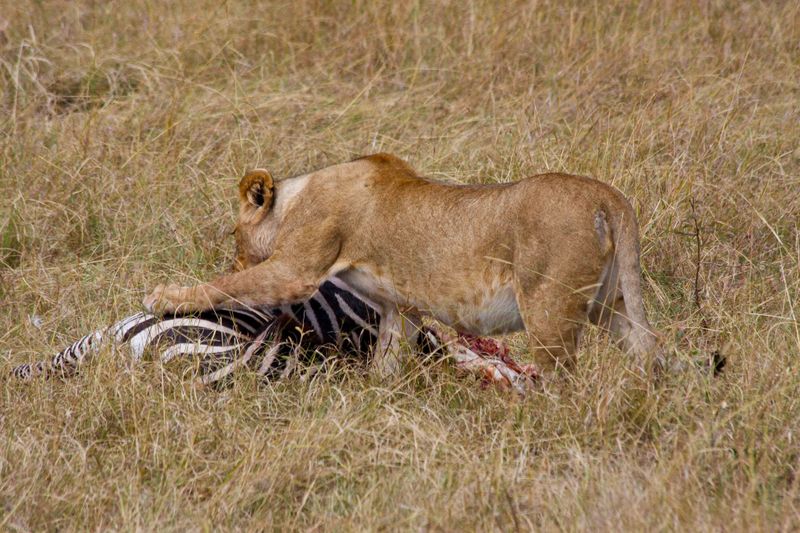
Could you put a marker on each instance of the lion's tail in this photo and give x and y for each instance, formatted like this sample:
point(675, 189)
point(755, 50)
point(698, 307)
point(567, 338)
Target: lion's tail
point(625, 234)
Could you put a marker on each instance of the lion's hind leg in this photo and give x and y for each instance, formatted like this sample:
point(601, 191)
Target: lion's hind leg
point(553, 295)
point(554, 317)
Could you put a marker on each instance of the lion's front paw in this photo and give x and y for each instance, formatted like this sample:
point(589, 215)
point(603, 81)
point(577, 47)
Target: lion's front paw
point(165, 299)
point(386, 365)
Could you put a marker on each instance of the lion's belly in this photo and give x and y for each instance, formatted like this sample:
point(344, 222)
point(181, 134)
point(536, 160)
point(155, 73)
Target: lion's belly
point(493, 312)
point(486, 310)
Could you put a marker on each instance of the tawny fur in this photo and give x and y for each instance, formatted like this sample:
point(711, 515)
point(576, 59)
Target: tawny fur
point(542, 254)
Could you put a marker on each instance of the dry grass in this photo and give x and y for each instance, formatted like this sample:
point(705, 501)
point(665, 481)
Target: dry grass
point(125, 125)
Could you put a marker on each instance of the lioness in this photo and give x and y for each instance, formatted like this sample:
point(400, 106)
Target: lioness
point(544, 254)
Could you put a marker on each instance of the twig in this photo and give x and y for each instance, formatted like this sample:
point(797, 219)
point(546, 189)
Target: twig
point(717, 361)
point(698, 255)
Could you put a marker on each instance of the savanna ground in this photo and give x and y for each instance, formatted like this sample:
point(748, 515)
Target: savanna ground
point(126, 125)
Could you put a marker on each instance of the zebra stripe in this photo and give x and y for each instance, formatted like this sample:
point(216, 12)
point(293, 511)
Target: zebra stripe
point(269, 358)
point(139, 325)
point(120, 329)
point(248, 354)
point(312, 317)
point(338, 283)
point(327, 308)
point(194, 348)
point(145, 337)
point(348, 311)
point(252, 320)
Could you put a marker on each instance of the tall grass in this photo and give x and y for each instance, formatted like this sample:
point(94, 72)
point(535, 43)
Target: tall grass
point(124, 127)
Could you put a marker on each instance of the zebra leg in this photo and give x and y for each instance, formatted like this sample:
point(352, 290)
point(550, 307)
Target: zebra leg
point(65, 363)
point(210, 335)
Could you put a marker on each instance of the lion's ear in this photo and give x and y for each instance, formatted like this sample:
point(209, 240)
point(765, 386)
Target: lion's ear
point(257, 188)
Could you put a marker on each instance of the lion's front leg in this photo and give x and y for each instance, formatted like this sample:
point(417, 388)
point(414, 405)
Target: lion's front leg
point(272, 283)
point(395, 329)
